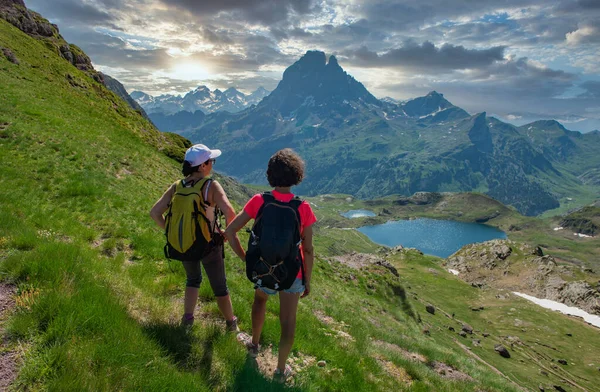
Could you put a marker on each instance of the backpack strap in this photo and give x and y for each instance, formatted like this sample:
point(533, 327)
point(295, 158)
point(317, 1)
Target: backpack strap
point(207, 183)
point(268, 197)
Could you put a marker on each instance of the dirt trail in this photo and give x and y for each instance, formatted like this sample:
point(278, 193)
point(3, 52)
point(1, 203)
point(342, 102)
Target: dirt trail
point(8, 358)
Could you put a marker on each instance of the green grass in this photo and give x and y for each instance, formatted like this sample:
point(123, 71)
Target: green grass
point(98, 308)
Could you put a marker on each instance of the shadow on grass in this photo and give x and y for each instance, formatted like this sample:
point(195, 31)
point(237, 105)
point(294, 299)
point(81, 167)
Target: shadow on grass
point(177, 342)
point(404, 304)
point(250, 379)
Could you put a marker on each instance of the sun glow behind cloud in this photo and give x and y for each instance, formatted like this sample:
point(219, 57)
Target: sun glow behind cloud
point(187, 71)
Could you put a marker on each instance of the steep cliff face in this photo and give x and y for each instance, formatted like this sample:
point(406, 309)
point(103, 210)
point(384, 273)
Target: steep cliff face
point(480, 134)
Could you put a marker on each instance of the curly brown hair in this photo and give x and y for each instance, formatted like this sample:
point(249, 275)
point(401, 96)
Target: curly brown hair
point(285, 168)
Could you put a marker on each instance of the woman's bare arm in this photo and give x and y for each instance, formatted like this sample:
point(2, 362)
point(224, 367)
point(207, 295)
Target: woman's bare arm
point(231, 233)
point(161, 206)
point(309, 257)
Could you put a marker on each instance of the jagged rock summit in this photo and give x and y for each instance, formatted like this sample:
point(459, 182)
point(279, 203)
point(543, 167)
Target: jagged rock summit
point(314, 81)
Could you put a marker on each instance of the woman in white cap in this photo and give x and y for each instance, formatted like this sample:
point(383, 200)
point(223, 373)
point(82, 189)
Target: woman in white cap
point(197, 165)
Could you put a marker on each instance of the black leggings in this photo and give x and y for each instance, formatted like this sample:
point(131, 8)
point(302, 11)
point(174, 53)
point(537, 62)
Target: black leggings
point(214, 266)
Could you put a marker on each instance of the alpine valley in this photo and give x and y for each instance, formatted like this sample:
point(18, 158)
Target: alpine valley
point(357, 144)
point(88, 301)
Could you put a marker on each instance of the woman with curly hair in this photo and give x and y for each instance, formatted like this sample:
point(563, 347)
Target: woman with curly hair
point(285, 169)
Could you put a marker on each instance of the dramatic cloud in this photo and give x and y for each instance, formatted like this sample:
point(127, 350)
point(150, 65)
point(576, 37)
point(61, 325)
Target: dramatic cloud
point(428, 56)
point(584, 35)
point(257, 11)
point(514, 58)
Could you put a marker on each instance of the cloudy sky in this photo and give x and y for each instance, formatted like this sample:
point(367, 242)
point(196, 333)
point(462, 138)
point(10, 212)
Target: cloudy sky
point(520, 60)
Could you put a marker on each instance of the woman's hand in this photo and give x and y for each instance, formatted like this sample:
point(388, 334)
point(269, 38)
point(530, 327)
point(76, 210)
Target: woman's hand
point(306, 289)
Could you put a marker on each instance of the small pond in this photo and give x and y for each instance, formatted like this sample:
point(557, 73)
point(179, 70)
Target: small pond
point(431, 236)
point(358, 214)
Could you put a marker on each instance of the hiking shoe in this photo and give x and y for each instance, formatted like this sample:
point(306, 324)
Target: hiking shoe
point(282, 377)
point(232, 326)
point(246, 340)
point(187, 321)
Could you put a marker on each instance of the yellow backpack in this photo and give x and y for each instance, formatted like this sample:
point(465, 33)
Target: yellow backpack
point(188, 230)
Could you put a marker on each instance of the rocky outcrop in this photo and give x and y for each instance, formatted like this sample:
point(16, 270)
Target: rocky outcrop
point(10, 56)
point(579, 294)
point(33, 24)
point(519, 267)
point(361, 260)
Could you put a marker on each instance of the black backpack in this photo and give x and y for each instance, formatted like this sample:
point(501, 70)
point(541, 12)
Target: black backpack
point(273, 258)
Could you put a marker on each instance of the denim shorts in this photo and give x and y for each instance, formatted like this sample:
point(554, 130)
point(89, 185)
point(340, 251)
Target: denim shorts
point(296, 288)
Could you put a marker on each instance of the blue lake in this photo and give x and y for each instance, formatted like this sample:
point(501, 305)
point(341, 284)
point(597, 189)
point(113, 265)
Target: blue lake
point(434, 237)
point(358, 213)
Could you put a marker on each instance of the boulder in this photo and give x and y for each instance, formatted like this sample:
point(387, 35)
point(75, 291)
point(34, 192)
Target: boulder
point(563, 361)
point(467, 329)
point(430, 309)
point(500, 349)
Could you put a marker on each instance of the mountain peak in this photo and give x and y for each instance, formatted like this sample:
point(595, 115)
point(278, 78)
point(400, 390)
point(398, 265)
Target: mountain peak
point(313, 79)
point(313, 57)
point(333, 61)
point(549, 124)
point(430, 104)
point(202, 88)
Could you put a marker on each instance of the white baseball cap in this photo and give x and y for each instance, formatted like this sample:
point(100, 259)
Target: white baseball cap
point(199, 153)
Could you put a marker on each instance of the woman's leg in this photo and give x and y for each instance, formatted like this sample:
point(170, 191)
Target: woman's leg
point(288, 306)
point(214, 265)
point(194, 278)
point(259, 309)
point(190, 300)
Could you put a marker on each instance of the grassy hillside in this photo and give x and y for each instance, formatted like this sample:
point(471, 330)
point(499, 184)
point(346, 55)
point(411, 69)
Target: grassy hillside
point(97, 307)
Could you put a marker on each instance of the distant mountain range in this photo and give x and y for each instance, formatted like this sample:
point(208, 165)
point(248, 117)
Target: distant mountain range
point(202, 98)
point(355, 143)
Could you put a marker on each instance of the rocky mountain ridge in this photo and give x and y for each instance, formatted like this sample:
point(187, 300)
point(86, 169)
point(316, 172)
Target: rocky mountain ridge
point(357, 144)
point(201, 98)
point(116, 87)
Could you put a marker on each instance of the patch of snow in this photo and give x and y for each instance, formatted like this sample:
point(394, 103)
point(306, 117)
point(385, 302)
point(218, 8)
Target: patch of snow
point(569, 199)
point(453, 271)
point(570, 310)
point(582, 235)
point(558, 228)
point(439, 109)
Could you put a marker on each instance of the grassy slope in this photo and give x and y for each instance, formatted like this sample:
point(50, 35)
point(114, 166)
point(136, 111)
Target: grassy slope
point(97, 307)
